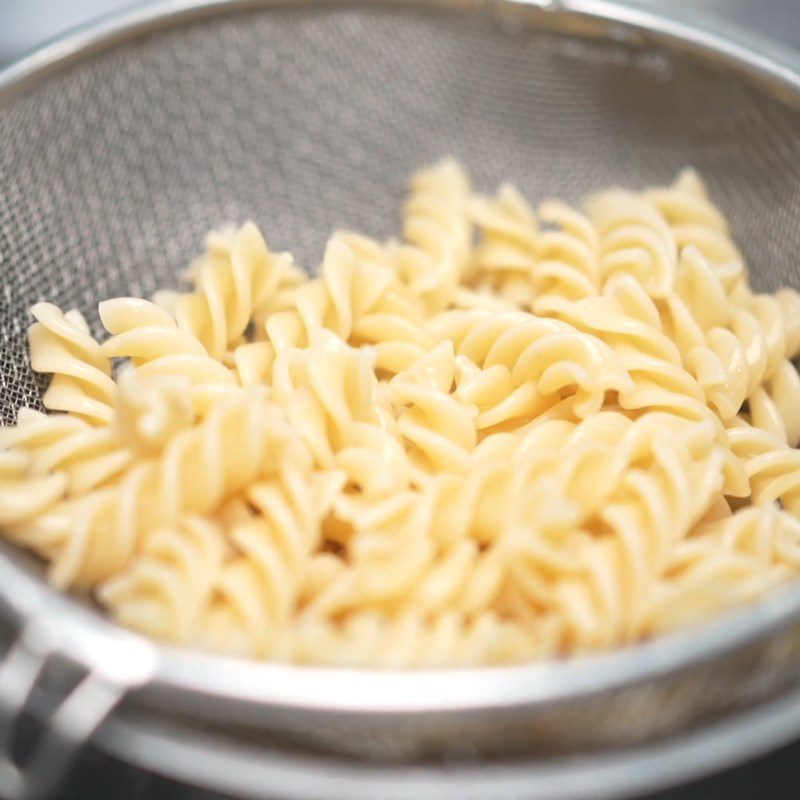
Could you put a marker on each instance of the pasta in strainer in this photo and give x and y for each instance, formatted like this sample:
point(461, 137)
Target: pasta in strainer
point(514, 434)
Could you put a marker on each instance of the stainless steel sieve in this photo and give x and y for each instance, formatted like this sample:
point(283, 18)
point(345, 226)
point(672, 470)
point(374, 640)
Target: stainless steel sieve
point(122, 144)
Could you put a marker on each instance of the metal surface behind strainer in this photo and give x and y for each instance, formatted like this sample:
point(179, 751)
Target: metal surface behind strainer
point(113, 165)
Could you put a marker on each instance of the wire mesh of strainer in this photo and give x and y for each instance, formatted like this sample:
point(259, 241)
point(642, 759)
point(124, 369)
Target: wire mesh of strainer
point(308, 117)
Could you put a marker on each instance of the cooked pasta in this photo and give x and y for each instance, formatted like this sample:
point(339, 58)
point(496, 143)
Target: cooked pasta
point(567, 266)
point(506, 256)
point(518, 432)
point(61, 344)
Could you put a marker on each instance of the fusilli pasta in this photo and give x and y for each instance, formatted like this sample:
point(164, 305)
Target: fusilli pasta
point(518, 432)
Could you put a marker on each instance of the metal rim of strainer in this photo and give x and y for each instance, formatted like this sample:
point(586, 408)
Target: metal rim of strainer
point(53, 623)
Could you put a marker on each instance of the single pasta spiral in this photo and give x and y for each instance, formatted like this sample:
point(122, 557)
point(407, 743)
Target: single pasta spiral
point(363, 297)
point(232, 283)
point(437, 423)
point(505, 259)
point(737, 352)
point(437, 223)
point(635, 239)
point(164, 590)
point(650, 358)
point(150, 412)
point(60, 343)
point(567, 259)
point(86, 456)
point(158, 349)
point(525, 362)
point(325, 389)
point(772, 467)
point(255, 595)
point(694, 219)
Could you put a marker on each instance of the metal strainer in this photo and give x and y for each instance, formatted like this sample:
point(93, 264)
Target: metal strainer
point(121, 146)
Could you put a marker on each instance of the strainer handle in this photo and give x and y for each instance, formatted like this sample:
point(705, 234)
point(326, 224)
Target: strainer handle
point(70, 722)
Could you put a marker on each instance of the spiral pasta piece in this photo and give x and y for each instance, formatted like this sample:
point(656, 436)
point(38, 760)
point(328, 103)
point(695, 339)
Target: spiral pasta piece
point(363, 296)
point(420, 550)
point(24, 495)
point(437, 423)
point(525, 359)
point(694, 219)
point(738, 352)
point(724, 564)
point(437, 221)
point(60, 343)
point(326, 389)
point(651, 359)
point(233, 281)
point(93, 536)
point(789, 304)
point(506, 254)
point(772, 467)
point(775, 406)
point(635, 239)
point(163, 592)
point(256, 593)
point(85, 456)
point(150, 412)
point(150, 338)
point(567, 259)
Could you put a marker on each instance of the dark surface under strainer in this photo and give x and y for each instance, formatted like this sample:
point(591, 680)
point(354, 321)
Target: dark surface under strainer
point(306, 120)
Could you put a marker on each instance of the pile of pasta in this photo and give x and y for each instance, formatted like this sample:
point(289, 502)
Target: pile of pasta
point(511, 434)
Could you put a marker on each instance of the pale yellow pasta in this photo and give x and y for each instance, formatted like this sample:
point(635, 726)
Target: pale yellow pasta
point(365, 295)
point(695, 220)
point(326, 389)
point(165, 589)
point(526, 361)
point(738, 351)
point(642, 494)
point(149, 336)
point(437, 424)
point(506, 255)
point(253, 597)
point(724, 564)
point(510, 435)
point(416, 640)
point(60, 343)
point(152, 411)
point(233, 281)
point(772, 467)
point(567, 259)
point(635, 239)
point(24, 495)
point(86, 455)
point(91, 536)
point(437, 222)
point(652, 362)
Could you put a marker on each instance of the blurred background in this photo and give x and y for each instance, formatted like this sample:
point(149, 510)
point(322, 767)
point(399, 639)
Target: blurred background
point(26, 23)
